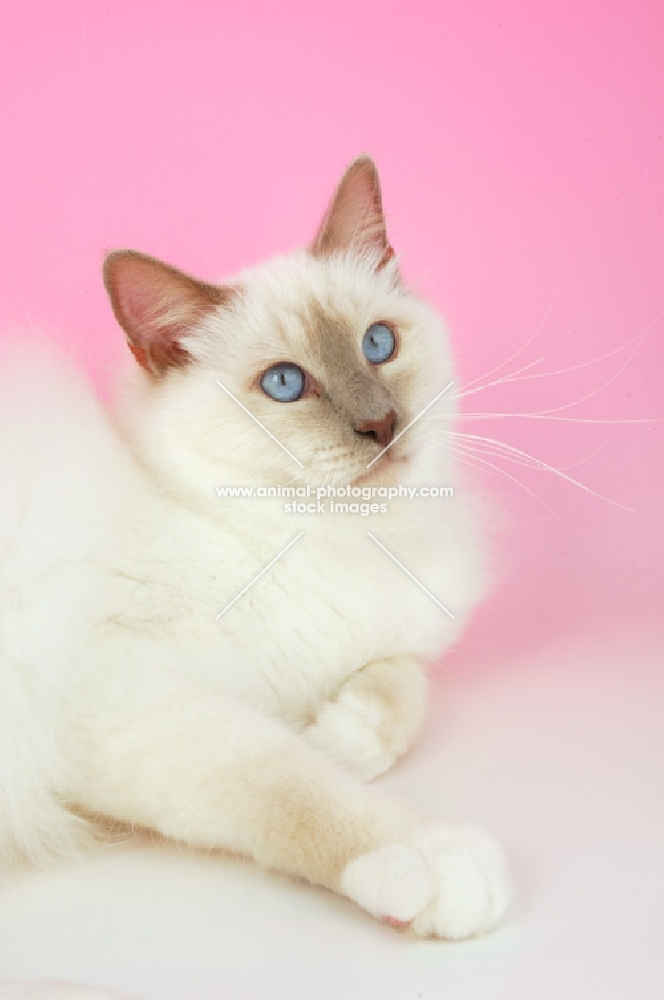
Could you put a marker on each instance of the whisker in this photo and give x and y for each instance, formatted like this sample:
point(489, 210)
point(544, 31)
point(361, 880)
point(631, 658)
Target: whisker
point(544, 466)
point(589, 395)
point(482, 463)
point(582, 461)
point(498, 381)
point(535, 462)
point(521, 349)
point(638, 338)
point(517, 376)
point(544, 415)
point(497, 451)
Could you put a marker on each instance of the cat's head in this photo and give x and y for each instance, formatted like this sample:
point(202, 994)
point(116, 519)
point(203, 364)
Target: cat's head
point(324, 350)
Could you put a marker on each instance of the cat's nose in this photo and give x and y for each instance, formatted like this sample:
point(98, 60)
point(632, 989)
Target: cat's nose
point(382, 431)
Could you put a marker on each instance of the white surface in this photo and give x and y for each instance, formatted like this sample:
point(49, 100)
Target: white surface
point(557, 747)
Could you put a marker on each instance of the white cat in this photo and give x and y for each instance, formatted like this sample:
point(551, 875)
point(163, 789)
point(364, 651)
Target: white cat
point(124, 693)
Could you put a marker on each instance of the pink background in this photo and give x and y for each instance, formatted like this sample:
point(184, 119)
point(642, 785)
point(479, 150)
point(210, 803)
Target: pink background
point(522, 157)
point(521, 147)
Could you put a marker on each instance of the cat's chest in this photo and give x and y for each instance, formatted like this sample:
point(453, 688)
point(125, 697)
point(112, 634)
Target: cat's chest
point(282, 636)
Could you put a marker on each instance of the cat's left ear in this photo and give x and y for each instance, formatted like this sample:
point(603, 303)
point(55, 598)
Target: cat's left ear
point(156, 305)
point(354, 220)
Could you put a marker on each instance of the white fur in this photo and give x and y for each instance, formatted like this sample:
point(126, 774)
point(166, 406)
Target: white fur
point(122, 695)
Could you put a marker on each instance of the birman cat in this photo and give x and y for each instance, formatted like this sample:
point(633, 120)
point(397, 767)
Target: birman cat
point(215, 669)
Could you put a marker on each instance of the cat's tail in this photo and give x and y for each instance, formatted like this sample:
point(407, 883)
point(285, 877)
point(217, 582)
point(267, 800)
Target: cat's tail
point(35, 825)
point(47, 419)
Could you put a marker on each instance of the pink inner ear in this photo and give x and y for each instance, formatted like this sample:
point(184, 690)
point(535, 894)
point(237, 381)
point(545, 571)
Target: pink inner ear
point(354, 219)
point(140, 305)
point(156, 304)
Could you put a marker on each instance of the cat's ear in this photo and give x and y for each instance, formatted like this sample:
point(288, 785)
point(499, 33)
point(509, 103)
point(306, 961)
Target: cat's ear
point(156, 305)
point(354, 219)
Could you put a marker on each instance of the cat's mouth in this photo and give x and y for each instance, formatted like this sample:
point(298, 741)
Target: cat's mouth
point(382, 469)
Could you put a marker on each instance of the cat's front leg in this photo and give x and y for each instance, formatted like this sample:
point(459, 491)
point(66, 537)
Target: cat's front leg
point(374, 718)
point(155, 752)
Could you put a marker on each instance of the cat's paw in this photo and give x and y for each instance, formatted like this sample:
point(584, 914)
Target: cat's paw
point(350, 730)
point(449, 882)
point(374, 719)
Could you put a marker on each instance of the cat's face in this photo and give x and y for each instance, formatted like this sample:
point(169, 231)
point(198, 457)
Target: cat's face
point(324, 349)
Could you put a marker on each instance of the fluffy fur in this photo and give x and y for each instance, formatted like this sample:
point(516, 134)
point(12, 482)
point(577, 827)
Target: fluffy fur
point(122, 695)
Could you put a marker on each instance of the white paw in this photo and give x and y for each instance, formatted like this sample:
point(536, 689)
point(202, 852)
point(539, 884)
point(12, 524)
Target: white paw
point(450, 882)
point(349, 731)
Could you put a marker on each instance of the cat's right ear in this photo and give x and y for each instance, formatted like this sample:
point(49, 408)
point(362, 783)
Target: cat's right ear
point(156, 305)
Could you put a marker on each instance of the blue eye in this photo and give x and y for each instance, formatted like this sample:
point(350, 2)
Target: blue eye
point(378, 343)
point(283, 382)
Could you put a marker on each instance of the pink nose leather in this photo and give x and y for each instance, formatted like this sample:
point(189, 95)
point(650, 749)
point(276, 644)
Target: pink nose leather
point(382, 430)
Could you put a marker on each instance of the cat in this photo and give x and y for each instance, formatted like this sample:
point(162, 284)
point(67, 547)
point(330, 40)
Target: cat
point(152, 671)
